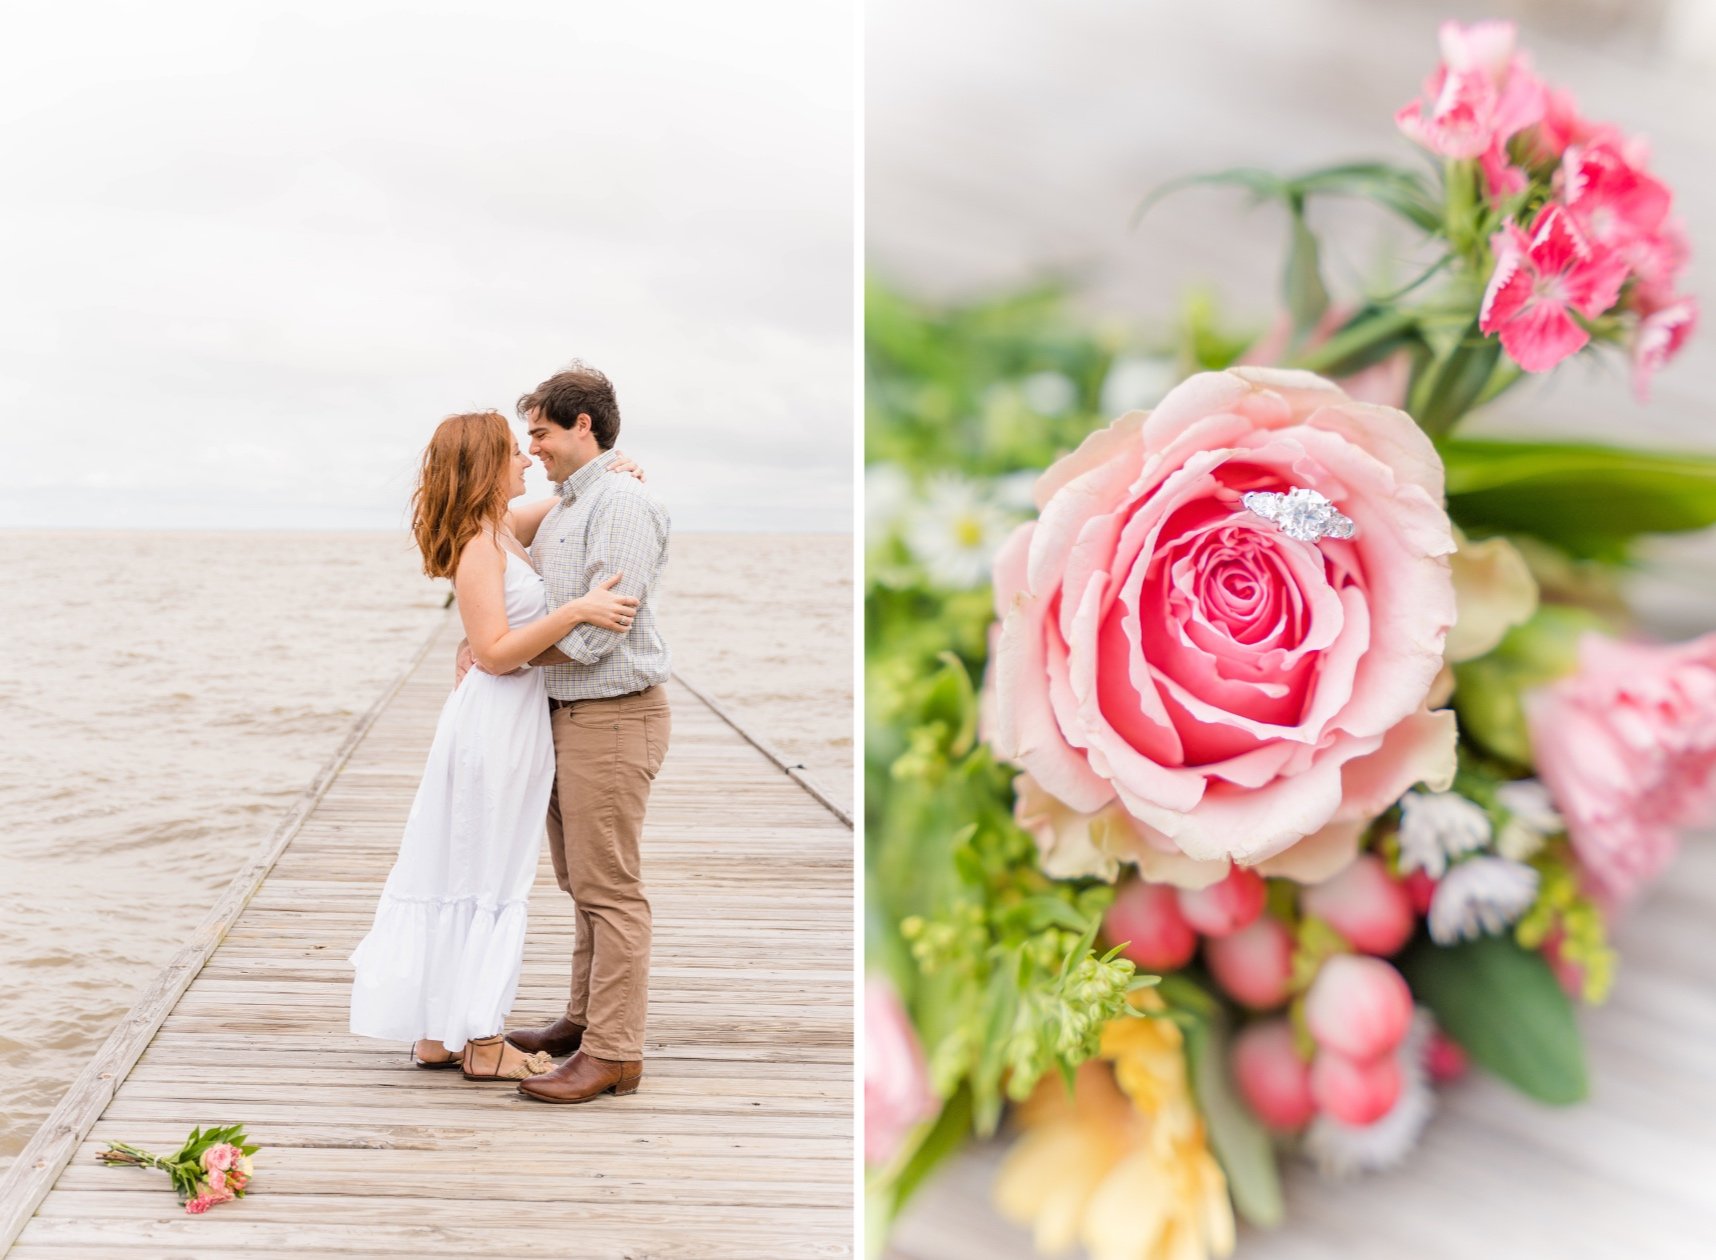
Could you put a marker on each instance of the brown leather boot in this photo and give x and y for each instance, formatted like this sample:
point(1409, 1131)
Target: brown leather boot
point(583, 1077)
point(560, 1037)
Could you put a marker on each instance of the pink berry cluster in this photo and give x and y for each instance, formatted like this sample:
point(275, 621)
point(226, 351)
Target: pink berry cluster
point(1338, 1051)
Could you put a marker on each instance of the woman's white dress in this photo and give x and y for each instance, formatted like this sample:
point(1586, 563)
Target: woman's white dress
point(442, 957)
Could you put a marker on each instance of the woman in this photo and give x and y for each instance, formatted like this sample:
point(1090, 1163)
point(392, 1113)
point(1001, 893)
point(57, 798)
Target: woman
point(440, 964)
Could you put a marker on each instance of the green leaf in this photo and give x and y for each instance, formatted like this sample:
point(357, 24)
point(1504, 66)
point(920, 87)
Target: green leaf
point(947, 1135)
point(1453, 386)
point(1263, 186)
point(1506, 1009)
point(1306, 295)
point(1241, 1144)
point(1590, 500)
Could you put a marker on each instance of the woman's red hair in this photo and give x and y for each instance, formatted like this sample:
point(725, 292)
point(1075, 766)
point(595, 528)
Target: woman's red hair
point(461, 488)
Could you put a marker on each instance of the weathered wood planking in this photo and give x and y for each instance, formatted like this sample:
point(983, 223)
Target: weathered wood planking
point(740, 1142)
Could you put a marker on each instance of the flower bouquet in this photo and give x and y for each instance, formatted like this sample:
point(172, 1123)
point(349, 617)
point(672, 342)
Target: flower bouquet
point(211, 1167)
point(1281, 751)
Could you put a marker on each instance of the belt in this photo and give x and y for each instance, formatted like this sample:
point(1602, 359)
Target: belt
point(556, 703)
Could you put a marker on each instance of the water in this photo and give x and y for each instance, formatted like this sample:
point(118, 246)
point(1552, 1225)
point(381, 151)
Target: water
point(165, 697)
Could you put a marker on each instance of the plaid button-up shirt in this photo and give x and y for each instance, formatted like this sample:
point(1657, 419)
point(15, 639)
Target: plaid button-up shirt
point(604, 524)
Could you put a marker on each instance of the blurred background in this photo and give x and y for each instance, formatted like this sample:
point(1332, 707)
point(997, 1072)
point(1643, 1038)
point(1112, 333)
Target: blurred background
point(253, 251)
point(1008, 145)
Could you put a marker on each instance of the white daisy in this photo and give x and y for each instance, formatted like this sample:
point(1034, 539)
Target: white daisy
point(1435, 826)
point(957, 531)
point(1133, 383)
point(1480, 896)
point(1532, 818)
point(1343, 1150)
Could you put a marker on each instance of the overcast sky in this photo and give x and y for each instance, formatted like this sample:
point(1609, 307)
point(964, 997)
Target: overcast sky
point(251, 252)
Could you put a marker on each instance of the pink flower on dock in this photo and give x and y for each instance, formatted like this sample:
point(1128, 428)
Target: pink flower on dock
point(222, 1157)
point(1539, 279)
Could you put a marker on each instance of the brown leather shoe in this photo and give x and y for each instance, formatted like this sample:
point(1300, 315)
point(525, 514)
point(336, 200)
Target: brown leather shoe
point(583, 1077)
point(560, 1037)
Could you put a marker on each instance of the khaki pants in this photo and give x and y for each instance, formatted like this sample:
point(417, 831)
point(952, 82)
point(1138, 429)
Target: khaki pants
point(606, 754)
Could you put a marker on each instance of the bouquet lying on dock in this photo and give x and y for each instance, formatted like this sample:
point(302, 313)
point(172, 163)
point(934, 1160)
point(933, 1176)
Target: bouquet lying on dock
point(210, 1168)
point(1280, 751)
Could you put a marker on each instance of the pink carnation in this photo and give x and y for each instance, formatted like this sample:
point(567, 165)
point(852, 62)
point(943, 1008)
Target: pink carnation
point(1539, 278)
point(1197, 685)
point(1658, 338)
point(897, 1094)
point(1627, 747)
point(1482, 94)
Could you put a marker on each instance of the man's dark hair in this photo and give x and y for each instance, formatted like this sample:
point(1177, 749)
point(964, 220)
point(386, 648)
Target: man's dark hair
point(579, 389)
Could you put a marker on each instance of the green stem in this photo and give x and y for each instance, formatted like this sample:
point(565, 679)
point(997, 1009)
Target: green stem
point(1351, 341)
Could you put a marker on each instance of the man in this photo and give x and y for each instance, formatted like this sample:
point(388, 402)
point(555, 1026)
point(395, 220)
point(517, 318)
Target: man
point(610, 721)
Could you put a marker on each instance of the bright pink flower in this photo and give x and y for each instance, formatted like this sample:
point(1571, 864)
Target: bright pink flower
point(1420, 891)
point(1481, 95)
point(1225, 907)
point(1358, 1006)
point(897, 1094)
point(1254, 966)
point(1613, 199)
point(1444, 1058)
point(1145, 920)
point(1274, 1081)
point(1658, 338)
point(198, 1205)
point(1229, 689)
point(1367, 906)
point(1627, 747)
point(1355, 1091)
point(1540, 278)
point(1561, 125)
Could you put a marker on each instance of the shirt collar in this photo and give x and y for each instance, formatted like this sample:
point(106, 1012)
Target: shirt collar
point(585, 477)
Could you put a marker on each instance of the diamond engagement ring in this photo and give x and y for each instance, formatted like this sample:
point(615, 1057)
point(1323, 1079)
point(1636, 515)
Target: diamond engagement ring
point(1300, 513)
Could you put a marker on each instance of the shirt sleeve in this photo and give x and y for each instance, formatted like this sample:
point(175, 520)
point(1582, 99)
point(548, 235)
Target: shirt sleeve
point(629, 536)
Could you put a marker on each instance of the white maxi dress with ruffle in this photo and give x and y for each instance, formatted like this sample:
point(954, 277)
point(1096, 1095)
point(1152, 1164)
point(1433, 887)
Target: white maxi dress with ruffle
point(442, 958)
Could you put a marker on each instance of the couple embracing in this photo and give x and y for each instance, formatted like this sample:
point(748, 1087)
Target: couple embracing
point(558, 713)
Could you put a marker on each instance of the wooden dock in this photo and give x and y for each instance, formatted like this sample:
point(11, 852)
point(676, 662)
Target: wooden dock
point(739, 1143)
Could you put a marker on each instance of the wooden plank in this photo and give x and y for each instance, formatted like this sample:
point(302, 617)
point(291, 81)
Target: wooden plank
point(739, 1143)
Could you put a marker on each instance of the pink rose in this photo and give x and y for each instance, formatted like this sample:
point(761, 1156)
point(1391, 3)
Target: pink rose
point(897, 1094)
point(1193, 684)
point(221, 1157)
point(1627, 747)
